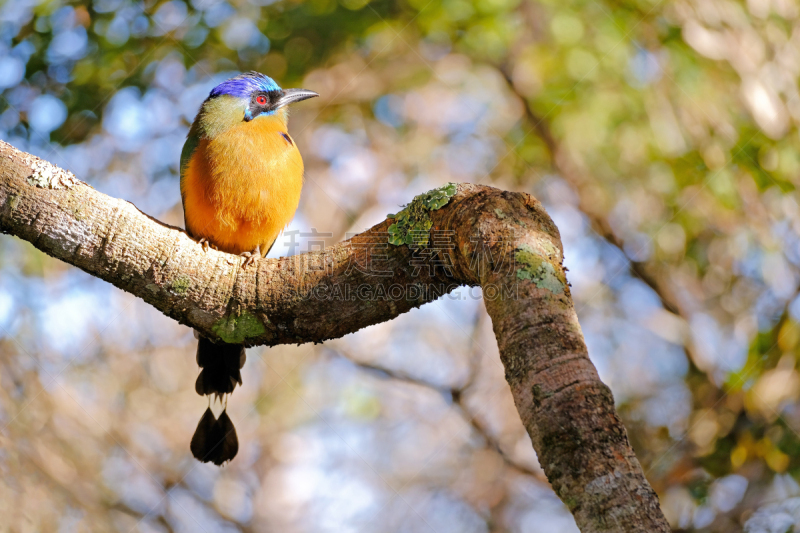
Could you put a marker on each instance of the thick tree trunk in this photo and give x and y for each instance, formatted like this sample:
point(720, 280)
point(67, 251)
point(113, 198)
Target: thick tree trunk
point(503, 242)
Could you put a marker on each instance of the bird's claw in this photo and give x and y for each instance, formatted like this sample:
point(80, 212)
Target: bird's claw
point(251, 257)
point(206, 244)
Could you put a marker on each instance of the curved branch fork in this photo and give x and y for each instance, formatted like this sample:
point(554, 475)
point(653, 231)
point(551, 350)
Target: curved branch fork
point(501, 241)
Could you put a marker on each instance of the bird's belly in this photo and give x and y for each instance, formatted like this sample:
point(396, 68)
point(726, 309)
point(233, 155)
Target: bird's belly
point(236, 234)
point(243, 201)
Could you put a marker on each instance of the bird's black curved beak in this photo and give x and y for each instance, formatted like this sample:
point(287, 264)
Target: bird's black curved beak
point(291, 96)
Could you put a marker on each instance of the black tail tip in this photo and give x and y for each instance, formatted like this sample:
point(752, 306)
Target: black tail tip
point(214, 440)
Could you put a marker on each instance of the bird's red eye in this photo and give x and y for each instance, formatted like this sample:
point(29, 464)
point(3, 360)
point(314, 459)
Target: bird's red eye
point(261, 100)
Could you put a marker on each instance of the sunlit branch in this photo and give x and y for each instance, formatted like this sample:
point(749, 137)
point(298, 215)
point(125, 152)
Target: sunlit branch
point(478, 236)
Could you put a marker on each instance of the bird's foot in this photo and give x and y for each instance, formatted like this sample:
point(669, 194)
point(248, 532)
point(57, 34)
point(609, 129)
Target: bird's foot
point(251, 257)
point(206, 244)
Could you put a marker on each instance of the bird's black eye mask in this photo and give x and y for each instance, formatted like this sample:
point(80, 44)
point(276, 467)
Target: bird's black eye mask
point(263, 102)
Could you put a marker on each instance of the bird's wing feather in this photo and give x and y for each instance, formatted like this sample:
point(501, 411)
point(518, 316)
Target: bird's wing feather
point(189, 147)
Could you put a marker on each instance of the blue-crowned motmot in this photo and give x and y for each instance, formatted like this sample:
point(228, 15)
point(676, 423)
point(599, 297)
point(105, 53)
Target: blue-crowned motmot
point(241, 176)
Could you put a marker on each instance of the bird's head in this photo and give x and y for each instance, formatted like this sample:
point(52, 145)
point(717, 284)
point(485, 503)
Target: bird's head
point(248, 97)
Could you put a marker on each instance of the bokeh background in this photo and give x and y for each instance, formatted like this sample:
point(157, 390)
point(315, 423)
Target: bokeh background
point(661, 136)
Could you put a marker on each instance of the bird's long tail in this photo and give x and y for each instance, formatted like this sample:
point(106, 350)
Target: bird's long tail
point(221, 367)
point(215, 439)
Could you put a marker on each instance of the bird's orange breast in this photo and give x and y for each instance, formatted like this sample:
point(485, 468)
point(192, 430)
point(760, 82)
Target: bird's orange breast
point(241, 188)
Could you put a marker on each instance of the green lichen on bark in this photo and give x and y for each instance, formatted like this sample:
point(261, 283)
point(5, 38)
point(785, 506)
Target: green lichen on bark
point(534, 268)
point(13, 202)
point(235, 329)
point(181, 285)
point(549, 249)
point(413, 224)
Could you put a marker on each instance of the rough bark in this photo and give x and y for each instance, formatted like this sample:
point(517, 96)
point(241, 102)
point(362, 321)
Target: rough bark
point(503, 242)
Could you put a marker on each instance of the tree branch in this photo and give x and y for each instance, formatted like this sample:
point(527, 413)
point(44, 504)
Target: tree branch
point(503, 242)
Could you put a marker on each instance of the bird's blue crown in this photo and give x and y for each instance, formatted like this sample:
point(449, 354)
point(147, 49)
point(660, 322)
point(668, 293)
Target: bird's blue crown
point(243, 85)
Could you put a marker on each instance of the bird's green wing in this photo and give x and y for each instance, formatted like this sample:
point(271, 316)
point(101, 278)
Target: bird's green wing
point(192, 141)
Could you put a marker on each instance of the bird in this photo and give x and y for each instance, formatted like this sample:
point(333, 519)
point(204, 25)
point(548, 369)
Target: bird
point(241, 179)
